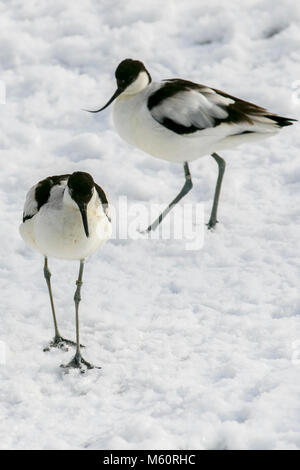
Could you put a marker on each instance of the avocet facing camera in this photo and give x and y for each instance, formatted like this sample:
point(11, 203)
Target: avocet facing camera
point(66, 217)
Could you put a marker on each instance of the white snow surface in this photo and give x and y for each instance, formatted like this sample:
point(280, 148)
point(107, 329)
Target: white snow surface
point(199, 349)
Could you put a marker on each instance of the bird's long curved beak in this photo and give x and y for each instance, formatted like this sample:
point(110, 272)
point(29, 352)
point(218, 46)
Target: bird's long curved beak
point(83, 211)
point(114, 96)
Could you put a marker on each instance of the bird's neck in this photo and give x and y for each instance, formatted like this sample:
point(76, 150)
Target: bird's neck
point(139, 84)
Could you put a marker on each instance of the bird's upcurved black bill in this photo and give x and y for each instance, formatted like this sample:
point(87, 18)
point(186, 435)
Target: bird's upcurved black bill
point(114, 96)
point(83, 212)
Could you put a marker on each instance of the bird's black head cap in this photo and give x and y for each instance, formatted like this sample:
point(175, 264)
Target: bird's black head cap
point(81, 186)
point(126, 73)
point(128, 70)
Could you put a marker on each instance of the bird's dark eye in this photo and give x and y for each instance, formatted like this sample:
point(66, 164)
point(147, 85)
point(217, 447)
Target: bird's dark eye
point(125, 81)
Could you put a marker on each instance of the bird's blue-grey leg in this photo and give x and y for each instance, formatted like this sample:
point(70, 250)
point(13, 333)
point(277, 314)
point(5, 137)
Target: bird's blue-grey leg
point(221, 166)
point(78, 362)
point(58, 341)
point(186, 188)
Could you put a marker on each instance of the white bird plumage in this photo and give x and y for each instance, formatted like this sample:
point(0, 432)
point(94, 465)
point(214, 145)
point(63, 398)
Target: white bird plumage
point(55, 229)
point(66, 217)
point(180, 121)
point(197, 110)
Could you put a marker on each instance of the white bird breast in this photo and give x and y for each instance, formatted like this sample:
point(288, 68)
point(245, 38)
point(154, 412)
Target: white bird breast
point(58, 231)
point(137, 126)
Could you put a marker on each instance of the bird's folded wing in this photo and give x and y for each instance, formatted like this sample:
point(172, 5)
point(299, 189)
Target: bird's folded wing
point(186, 107)
point(39, 194)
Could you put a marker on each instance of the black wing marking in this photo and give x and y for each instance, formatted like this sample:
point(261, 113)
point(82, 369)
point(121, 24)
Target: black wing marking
point(170, 88)
point(40, 195)
point(27, 217)
point(241, 111)
point(186, 107)
point(104, 200)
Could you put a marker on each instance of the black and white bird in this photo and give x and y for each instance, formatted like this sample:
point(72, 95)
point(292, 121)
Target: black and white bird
point(180, 121)
point(66, 217)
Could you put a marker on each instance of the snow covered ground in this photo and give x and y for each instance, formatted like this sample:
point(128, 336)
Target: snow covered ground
point(199, 349)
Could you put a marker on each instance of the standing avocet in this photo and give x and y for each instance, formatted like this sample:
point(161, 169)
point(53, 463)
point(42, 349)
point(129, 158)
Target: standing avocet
point(66, 217)
point(180, 121)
